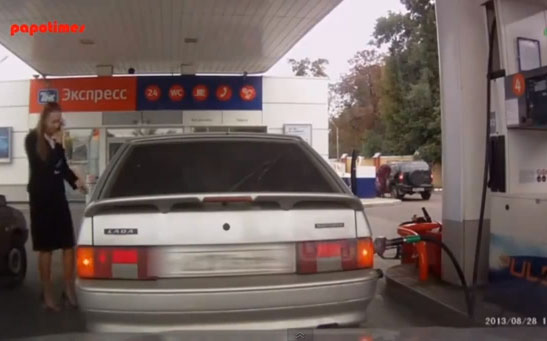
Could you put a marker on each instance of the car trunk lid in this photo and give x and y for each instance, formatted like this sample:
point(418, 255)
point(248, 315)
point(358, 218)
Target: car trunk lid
point(222, 235)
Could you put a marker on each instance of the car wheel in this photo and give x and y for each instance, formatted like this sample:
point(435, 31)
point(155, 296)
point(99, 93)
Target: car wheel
point(426, 195)
point(395, 193)
point(17, 266)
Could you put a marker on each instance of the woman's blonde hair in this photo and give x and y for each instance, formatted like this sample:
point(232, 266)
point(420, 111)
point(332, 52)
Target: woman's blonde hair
point(41, 144)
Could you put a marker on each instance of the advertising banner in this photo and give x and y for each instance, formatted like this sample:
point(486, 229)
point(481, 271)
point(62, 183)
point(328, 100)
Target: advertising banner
point(148, 93)
point(5, 144)
point(518, 274)
point(84, 94)
point(199, 93)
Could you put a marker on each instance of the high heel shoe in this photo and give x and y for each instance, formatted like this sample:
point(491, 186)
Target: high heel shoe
point(48, 307)
point(67, 303)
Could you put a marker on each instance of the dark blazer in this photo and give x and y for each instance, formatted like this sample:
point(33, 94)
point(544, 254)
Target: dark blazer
point(46, 177)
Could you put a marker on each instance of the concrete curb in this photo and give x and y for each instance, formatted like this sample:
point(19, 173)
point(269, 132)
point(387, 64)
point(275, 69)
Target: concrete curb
point(400, 290)
point(379, 202)
point(440, 299)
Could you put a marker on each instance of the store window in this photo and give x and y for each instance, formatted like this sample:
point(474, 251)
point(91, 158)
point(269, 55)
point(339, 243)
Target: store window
point(115, 138)
point(82, 151)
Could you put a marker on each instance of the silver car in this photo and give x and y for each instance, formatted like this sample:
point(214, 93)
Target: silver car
point(222, 231)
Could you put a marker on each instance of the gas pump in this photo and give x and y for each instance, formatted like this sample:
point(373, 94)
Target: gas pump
point(517, 275)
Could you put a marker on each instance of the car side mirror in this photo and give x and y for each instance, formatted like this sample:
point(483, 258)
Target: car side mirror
point(3, 201)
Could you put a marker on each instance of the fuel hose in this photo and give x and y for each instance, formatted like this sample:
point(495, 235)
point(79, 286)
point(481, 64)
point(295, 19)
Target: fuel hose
point(480, 229)
point(467, 293)
point(427, 239)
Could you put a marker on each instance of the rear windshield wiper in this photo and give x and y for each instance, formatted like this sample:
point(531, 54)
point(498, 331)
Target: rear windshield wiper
point(260, 171)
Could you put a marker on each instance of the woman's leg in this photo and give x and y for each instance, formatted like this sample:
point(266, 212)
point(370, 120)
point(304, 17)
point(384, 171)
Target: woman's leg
point(44, 265)
point(68, 268)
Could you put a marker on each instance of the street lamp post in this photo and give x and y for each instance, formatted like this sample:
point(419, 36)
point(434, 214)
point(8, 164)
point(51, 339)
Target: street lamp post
point(337, 140)
point(337, 144)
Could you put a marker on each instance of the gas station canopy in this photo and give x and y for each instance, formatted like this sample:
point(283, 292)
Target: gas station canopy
point(162, 36)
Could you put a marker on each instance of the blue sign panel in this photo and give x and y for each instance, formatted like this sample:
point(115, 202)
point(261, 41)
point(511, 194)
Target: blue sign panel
point(48, 95)
point(5, 144)
point(199, 93)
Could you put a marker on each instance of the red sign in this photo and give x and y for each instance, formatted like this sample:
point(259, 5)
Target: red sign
point(224, 93)
point(85, 94)
point(176, 93)
point(152, 93)
point(248, 93)
point(200, 93)
point(519, 85)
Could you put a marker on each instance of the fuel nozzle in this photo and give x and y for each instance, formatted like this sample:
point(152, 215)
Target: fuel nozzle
point(381, 244)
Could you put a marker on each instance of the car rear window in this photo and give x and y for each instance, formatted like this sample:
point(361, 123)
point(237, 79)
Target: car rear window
point(416, 165)
point(217, 167)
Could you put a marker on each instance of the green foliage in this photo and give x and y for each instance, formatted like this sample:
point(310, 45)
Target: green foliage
point(305, 67)
point(388, 103)
point(318, 67)
point(410, 104)
point(357, 98)
point(374, 142)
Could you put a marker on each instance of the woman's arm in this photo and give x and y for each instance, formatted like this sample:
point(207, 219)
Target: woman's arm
point(31, 150)
point(68, 174)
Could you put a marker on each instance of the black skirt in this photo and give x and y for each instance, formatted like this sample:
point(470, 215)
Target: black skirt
point(50, 223)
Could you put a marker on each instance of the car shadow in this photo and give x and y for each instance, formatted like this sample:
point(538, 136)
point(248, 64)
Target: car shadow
point(406, 198)
point(413, 199)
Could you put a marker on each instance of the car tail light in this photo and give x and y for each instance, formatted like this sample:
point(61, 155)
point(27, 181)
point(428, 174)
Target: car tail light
point(112, 262)
point(365, 253)
point(401, 177)
point(85, 262)
point(337, 255)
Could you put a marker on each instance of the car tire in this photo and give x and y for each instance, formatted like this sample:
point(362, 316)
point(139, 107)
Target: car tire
point(16, 266)
point(395, 194)
point(426, 195)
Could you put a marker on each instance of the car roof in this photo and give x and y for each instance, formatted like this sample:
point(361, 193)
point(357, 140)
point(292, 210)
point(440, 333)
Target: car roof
point(217, 136)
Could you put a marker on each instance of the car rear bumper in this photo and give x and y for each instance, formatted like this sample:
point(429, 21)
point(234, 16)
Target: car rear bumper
point(410, 189)
point(258, 302)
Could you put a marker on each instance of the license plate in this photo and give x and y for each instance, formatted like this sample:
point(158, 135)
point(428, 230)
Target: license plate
point(210, 261)
point(418, 190)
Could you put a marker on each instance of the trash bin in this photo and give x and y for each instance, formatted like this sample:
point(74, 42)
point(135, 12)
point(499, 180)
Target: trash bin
point(366, 181)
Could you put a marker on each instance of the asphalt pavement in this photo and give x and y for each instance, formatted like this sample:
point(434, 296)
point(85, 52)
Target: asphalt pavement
point(21, 314)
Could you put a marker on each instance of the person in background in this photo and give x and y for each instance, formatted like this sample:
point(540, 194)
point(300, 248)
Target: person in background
point(50, 217)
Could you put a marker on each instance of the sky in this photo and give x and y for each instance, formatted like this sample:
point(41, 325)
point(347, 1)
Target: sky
point(343, 32)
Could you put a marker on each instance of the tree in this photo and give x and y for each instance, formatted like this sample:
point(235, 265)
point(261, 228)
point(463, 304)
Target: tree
point(410, 100)
point(305, 67)
point(318, 67)
point(391, 103)
point(357, 98)
point(300, 67)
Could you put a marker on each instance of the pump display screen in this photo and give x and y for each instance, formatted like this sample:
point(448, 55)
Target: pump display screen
point(537, 100)
point(540, 86)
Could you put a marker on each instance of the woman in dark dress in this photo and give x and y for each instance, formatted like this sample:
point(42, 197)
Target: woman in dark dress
point(50, 218)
